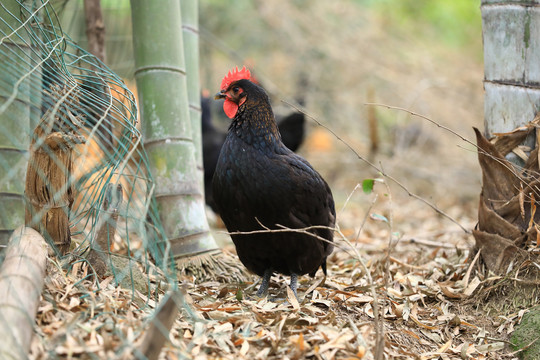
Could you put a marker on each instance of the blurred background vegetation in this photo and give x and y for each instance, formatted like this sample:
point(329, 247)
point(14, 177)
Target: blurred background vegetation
point(449, 23)
point(336, 56)
point(457, 23)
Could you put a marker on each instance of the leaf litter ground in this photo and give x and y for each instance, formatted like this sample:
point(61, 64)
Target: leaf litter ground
point(432, 291)
point(425, 295)
point(425, 283)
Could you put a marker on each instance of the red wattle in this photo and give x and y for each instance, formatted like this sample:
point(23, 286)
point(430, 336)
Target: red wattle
point(230, 108)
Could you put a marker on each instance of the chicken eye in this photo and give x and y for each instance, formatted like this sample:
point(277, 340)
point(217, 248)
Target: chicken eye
point(236, 89)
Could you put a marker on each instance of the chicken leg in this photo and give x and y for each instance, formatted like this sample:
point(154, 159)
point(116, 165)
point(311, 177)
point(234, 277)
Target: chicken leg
point(294, 284)
point(263, 289)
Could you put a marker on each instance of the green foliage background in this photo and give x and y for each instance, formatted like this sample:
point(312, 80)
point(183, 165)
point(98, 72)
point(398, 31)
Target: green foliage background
point(456, 22)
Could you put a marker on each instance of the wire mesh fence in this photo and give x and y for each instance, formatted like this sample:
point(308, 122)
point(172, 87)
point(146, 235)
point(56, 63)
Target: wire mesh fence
point(73, 168)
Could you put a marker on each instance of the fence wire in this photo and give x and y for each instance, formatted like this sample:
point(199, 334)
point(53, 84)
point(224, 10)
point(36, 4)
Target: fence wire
point(75, 121)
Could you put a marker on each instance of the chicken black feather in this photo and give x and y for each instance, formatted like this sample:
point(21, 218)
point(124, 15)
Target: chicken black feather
point(291, 128)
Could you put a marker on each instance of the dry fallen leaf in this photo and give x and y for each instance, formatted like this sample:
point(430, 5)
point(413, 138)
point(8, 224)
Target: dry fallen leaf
point(292, 299)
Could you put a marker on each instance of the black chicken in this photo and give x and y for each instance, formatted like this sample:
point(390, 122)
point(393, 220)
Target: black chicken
point(291, 128)
point(212, 140)
point(259, 183)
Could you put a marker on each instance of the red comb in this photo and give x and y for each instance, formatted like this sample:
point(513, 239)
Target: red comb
point(235, 75)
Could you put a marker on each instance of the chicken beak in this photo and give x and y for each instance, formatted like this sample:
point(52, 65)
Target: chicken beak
point(220, 95)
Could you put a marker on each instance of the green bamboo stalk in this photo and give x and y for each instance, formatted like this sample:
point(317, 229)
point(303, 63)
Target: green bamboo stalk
point(162, 86)
point(15, 113)
point(190, 34)
point(36, 88)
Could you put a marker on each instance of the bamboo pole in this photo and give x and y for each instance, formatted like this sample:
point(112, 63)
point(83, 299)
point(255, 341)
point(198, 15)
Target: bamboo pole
point(21, 282)
point(190, 35)
point(36, 10)
point(162, 86)
point(511, 74)
point(15, 113)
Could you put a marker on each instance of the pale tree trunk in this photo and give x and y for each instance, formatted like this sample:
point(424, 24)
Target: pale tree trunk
point(511, 33)
point(168, 137)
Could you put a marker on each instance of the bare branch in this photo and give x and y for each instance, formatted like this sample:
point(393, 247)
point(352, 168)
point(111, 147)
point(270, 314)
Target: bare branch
point(425, 118)
point(383, 173)
point(284, 229)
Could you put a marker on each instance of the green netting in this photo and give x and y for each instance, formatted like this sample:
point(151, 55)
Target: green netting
point(49, 85)
point(72, 166)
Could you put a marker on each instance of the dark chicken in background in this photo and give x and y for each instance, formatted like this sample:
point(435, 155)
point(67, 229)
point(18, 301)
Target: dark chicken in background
point(212, 140)
point(259, 183)
point(291, 127)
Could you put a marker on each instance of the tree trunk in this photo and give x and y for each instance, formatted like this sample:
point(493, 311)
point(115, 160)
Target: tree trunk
point(95, 28)
point(511, 33)
point(168, 138)
point(15, 113)
point(95, 33)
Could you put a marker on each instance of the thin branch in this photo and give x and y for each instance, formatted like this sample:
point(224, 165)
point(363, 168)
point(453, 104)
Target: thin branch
point(284, 229)
point(381, 171)
point(425, 118)
point(523, 348)
point(379, 328)
point(366, 216)
point(513, 169)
